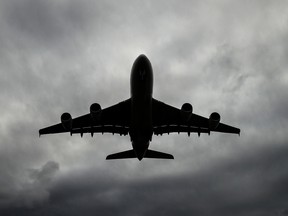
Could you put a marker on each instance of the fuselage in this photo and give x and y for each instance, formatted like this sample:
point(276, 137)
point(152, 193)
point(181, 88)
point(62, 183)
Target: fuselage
point(141, 82)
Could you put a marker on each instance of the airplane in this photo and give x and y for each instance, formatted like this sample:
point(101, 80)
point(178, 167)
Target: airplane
point(141, 116)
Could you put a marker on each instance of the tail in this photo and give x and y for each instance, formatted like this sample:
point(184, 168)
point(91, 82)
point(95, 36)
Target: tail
point(158, 155)
point(131, 154)
point(122, 155)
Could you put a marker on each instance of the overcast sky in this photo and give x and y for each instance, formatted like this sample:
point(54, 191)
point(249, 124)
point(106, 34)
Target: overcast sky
point(63, 55)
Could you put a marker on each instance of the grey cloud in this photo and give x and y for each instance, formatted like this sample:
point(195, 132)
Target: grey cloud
point(46, 53)
point(61, 56)
point(45, 175)
point(31, 189)
point(48, 23)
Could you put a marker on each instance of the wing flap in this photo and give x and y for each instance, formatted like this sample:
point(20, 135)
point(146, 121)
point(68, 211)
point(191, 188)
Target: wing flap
point(102, 129)
point(179, 129)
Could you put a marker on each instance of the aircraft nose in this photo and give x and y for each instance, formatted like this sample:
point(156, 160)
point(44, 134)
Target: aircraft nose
point(142, 59)
point(142, 62)
point(142, 56)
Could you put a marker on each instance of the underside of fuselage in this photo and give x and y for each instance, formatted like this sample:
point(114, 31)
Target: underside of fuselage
point(141, 105)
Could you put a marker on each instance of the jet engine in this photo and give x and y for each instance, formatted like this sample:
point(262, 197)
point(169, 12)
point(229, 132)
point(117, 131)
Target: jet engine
point(186, 112)
point(95, 111)
point(66, 121)
point(214, 120)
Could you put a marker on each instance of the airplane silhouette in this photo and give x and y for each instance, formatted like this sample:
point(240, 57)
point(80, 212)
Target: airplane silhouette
point(140, 116)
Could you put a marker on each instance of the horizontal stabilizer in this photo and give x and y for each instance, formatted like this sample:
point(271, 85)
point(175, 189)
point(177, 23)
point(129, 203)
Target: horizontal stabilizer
point(122, 155)
point(155, 154)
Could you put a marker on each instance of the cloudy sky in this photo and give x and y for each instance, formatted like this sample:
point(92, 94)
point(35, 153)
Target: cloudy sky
point(219, 55)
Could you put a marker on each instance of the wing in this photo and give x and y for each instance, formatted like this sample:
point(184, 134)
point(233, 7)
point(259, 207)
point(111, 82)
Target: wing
point(114, 119)
point(167, 119)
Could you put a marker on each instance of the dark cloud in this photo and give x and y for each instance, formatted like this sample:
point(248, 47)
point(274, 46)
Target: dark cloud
point(238, 186)
point(243, 186)
point(31, 190)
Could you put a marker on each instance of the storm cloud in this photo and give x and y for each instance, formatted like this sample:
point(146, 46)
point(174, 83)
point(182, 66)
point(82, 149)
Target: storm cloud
point(224, 56)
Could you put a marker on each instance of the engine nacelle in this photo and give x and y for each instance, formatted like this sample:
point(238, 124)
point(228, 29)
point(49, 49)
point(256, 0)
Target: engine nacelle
point(95, 111)
point(186, 112)
point(66, 121)
point(214, 120)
